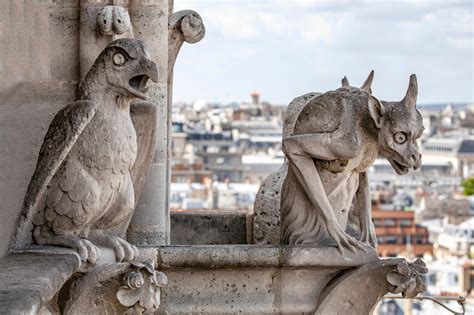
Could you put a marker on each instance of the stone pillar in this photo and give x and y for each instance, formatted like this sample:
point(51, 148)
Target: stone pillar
point(164, 33)
point(150, 224)
point(52, 44)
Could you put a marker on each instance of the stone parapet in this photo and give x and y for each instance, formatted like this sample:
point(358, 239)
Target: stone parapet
point(30, 280)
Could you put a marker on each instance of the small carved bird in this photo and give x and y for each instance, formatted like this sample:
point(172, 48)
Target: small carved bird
point(82, 193)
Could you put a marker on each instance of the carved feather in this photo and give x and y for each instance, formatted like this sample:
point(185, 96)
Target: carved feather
point(62, 134)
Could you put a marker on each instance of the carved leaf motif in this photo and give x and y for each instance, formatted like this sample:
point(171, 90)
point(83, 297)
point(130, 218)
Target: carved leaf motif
point(160, 279)
point(406, 278)
point(395, 278)
point(420, 266)
point(403, 268)
point(128, 297)
point(141, 265)
point(142, 287)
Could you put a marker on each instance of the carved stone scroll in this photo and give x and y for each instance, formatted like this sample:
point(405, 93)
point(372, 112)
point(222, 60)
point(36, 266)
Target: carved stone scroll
point(184, 26)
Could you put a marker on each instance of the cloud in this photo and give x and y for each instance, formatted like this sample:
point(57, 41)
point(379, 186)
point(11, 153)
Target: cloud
point(232, 21)
point(292, 47)
point(315, 28)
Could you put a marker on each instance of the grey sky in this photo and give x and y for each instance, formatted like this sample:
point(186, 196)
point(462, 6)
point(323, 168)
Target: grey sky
point(285, 48)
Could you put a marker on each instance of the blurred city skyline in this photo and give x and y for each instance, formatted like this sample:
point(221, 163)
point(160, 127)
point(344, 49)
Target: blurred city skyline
point(284, 49)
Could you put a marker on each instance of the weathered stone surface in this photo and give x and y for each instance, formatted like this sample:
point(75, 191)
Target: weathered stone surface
point(20, 145)
point(358, 291)
point(330, 141)
point(266, 219)
point(184, 26)
point(257, 256)
point(40, 70)
point(267, 209)
point(113, 20)
point(150, 223)
point(208, 228)
point(337, 136)
point(30, 280)
point(244, 291)
point(203, 279)
point(116, 288)
point(58, 282)
point(242, 278)
point(82, 188)
point(252, 279)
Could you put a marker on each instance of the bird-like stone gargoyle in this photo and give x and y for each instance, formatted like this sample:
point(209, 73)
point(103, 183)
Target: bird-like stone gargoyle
point(337, 136)
point(82, 194)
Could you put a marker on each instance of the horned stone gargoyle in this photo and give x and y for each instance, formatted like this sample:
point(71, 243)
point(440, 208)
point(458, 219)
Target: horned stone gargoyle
point(337, 135)
point(82, 192)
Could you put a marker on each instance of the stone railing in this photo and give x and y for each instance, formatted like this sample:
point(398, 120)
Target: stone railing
point(202, 278)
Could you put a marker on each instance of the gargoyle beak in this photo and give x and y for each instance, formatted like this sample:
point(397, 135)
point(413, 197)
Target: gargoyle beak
point(151, 70)
point(137, 85)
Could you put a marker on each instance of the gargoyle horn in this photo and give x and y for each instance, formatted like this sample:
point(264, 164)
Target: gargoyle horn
point(366, 87)
point(344, 81)
point(410, 98)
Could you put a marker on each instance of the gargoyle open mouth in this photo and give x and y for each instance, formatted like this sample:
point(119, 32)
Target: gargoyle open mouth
point(138, 85)
point(400, 168)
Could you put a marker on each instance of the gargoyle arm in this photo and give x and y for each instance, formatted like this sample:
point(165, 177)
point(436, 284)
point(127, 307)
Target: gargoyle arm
point(323, 146)
point(300, 150)
point(363, 210)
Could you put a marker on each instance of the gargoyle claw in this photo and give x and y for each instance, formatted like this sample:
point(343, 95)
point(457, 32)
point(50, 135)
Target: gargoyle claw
point(345, 241)
point(86, 250)
point(124, 251)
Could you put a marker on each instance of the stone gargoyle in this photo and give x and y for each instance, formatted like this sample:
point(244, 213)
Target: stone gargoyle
point(320, 197)
point(337, 136)
point(83, 191)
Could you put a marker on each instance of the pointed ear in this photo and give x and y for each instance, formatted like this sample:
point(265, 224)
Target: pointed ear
point(344, 82)
point(366, 87)
point(412, 93)
point(376, 110)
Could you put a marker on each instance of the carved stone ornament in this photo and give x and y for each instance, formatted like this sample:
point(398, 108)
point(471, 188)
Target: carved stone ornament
point(114, 20)
point(407, 278)
point(113, 288)
point(330, 141)
point(141, 289)
point(82, 192)
point(359, 290)
point(184, 26)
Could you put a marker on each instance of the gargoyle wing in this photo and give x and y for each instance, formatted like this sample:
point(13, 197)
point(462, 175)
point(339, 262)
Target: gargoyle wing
point(62, 134)
point(144, 119)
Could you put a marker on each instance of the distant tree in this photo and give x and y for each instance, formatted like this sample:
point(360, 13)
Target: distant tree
point(468, 185)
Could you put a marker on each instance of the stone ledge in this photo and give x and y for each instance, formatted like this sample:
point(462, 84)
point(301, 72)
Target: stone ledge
point(257, 256)
point(30, 279)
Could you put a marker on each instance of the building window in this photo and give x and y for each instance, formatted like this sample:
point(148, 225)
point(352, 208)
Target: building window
point(405, 222)
point(391, 239)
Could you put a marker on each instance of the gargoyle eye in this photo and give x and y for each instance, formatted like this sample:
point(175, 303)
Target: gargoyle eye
point(119, 59)
point(400, 137)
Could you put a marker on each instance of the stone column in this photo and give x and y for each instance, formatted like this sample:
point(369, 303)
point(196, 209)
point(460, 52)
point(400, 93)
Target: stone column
point(164, 33)
point(150, 224)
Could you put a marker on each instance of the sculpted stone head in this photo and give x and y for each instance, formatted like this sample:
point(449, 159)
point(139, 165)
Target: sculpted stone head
point(126, 69)
point(399, 126)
